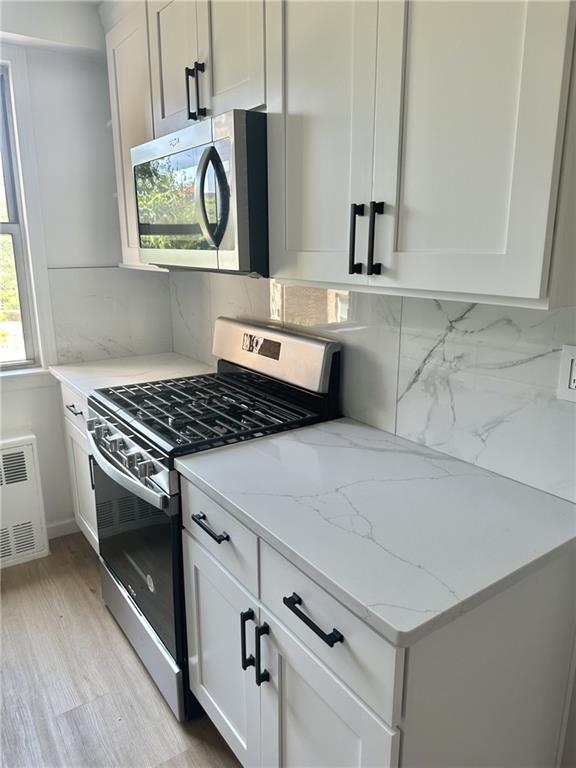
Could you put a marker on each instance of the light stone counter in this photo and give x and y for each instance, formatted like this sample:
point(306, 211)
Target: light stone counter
point(406, 537)
point(84, 377)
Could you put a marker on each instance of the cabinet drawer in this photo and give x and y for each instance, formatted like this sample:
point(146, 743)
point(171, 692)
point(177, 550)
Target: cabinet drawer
point(238, 553)
point(368, 664)
point(75, 406)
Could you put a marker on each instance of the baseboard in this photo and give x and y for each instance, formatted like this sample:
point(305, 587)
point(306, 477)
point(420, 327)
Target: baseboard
point(62, 528)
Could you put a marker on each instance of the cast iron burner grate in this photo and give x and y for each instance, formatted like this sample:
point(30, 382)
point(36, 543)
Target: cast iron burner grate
point(206, 411)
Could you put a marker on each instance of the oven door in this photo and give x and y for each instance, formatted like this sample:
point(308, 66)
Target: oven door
point(138, 531)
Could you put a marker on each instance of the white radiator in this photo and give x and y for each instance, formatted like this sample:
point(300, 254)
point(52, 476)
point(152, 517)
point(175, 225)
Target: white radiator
point(22, 519)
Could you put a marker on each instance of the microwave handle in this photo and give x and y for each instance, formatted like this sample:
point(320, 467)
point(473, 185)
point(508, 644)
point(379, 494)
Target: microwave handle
point(213, 234)
point(157, 500)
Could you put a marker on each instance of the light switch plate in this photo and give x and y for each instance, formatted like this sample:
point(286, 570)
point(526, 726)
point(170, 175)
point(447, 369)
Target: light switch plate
point(567, 374)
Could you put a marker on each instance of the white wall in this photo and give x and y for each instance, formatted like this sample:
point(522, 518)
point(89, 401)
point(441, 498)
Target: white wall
point(73, 144)
point(63, 23)
point(32, 404)
point(95, 310)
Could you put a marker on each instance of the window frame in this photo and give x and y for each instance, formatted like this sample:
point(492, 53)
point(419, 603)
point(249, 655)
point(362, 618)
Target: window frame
point(15, 226)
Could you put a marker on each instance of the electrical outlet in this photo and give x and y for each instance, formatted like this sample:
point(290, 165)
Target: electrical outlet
point(567, 375)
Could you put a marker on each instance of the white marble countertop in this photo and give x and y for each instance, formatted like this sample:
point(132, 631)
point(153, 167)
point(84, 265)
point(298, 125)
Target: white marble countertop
point(84, 377)
point(406, 537)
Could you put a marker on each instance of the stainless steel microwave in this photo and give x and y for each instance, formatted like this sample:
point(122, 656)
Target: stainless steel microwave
point(202, 196)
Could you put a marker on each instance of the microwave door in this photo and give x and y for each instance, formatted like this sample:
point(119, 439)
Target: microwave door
point(169, 217)
point(212, 196)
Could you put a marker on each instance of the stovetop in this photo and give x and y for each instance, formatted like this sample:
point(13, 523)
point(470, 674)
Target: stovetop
point(190, 414)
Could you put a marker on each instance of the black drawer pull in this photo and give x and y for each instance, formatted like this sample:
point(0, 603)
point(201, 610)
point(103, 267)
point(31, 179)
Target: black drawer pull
point(218, 537)
point(262, 675)
point(354, 267)
point(245, 616)
point(73, 410)
point(375, 208)
point(330, 639)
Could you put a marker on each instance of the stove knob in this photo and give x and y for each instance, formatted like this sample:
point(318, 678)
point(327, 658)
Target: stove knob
point(130, 460)
point(99, 431)
point(91, 424)
point(145, 468)
point(114, 443)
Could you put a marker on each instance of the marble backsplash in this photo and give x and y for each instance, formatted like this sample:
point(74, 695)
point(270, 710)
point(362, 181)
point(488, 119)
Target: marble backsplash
point(473, 381)
point(109, 312)
point(479, 382)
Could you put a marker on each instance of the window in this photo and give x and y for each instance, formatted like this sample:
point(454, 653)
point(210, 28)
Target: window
point(17, 345)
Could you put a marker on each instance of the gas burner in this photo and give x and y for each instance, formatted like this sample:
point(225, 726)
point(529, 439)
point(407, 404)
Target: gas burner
point(199, 412)
point(268, 380)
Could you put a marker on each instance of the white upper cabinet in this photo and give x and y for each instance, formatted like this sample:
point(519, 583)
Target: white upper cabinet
point(173, 37)
point(205, 58)
point(321, 111)
point(131, 109)
point(231, 45)
point(448, 117)
point(468, 170)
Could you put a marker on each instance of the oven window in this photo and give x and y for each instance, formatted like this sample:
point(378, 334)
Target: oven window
point(137, 544)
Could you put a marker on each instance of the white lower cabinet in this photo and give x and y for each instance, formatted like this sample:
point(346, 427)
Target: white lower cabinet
point(301, 715)
point(309, 718)
point(228, 693)
point(83, 497)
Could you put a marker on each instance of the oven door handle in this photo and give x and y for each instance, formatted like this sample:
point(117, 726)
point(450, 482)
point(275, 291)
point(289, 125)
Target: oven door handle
point(155, 499)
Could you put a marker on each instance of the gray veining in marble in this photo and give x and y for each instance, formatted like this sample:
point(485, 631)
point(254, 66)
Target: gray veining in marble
point(479, 382)
point(405, 536)
point(474, 381)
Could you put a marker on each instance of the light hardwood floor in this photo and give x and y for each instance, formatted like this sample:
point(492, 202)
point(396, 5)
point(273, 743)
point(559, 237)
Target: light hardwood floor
point(74, 693)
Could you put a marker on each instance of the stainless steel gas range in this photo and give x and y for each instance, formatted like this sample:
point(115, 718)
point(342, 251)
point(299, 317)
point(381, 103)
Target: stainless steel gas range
point(267, 380)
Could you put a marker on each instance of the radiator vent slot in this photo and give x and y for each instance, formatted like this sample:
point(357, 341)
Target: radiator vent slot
point(13, 468)
point(5, 543)
point(23, 535)
point(22, 522)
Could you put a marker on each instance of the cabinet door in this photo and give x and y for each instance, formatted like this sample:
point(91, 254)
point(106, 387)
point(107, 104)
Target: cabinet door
point(321, 105)
point(228, 693)
point(80, 471)
point(468, 168)
point(309, 718)
point(231, 45)
point(172, 31)
point(131, 109)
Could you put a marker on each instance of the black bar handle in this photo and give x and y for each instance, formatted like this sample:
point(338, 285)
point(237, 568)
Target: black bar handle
point(375, 208)
point(199, 519)
point(245, 616)
point(73, 410)
point(190, 72)
point(199, 66)
point(91, 465)
point(262, 675)
point(213, 233)
point(354, 267)
point(330, 638)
